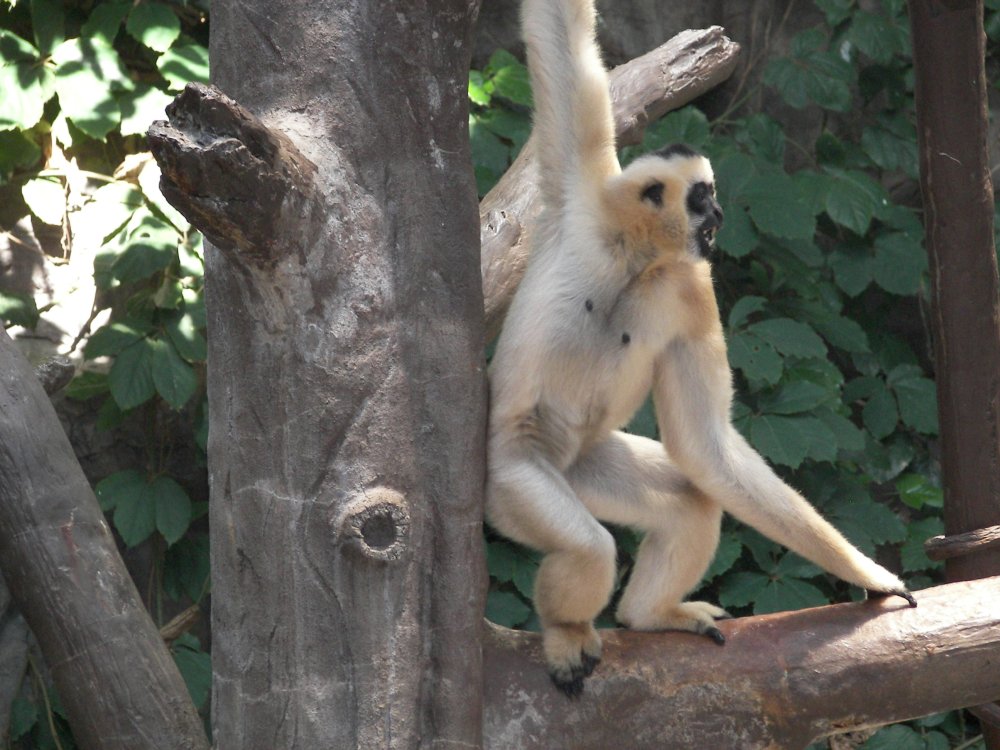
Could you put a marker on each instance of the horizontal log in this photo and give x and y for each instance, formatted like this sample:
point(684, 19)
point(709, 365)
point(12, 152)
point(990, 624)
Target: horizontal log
point(956, 545)
point(642, 90)
point(780, 681)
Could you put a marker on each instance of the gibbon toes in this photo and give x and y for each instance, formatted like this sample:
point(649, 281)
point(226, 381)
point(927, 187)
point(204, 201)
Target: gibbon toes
point(695, 617)
point(572, 652)
point(902, 593)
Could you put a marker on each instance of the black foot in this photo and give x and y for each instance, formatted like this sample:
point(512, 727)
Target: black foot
point(902, 593)
point(570, 681)
point(716, 635)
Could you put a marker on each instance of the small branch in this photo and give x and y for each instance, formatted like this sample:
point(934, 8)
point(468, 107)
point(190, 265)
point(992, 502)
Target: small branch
point(229, 174)
point(781, 680)
point(945, 547)
point(642, 91)
point(181, 624)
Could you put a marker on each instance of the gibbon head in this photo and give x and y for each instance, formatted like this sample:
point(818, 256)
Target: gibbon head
point(672, 197)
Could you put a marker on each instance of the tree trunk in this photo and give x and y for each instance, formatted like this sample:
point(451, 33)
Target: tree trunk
point(346, 374)
point(116, 679)
point(952, 128)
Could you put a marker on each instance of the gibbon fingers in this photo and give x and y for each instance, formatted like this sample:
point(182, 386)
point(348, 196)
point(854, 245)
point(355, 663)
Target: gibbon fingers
point(617, 300)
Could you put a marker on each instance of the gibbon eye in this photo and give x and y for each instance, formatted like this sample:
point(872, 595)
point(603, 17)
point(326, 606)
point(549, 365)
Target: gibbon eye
point(654, 194)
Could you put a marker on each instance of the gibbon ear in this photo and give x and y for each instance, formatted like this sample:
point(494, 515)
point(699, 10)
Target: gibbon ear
point(654, 194)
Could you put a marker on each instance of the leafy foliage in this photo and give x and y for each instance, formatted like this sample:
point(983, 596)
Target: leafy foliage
point(82, 82)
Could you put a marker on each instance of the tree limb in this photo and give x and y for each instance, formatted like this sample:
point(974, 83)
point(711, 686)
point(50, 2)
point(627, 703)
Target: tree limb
point(642, 91)
point(118, 684)
point(781, 680)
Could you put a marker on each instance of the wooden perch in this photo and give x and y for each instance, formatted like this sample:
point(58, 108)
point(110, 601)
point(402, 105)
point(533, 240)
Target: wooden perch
point(780, 681)
point(642, 90)
point(229, 174)
point(117, 682)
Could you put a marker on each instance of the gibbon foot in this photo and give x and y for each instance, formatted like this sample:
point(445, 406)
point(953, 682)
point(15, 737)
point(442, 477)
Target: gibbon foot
point(572, 652)
point(695, 617)
point(902, 593)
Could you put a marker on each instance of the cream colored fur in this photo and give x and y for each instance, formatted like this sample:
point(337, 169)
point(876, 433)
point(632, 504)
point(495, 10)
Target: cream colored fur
point(614, 303)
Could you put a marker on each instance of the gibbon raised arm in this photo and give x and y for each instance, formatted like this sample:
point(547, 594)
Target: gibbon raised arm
point(617, 300)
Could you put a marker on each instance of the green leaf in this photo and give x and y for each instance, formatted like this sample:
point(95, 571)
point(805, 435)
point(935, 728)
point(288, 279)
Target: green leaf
point(891, 151)
point(477, 91)
point(794, 398)
point(917, 399)
point(105, 20)
point(755, 357)
point(850, 203)
point(778, 209)
point(897, 737)
point(733, 174)
point(151, 247)
point(196, 669)
point(186, 337)
point(852, 269)
point(26, 83)
point(790, 337)
point(744, 308)
point(742, 588)
point(173, 508)
point(767, 138)
point(46, 197)
point(877, 36)
point(186, 567)
point(900, 263)
point(911, 553)
point(728, 552)
point(112, 338)
point(507, 609)
point(135, 514)
point(787, 594)
point(916, 491)
point(18, 310)
point(867, 523)
point(837, 11)
point(737, 237)
point(644, 421)
point(153, 24)
point(848, 436)
point(17, 151)
point(87, 385)
point(88, 73)
point(687, 125)
point(183, 64)
point(811, 75)
point(512, 83)
point(23, 716)
point(880, 414)
point(140, 107)
point(779, 438)
point(47, 22)
point(843, 333)
point(122, 486)
point(131, 376)
point(174, 378)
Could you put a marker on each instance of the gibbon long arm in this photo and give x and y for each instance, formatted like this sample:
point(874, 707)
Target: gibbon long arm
point(573, 120)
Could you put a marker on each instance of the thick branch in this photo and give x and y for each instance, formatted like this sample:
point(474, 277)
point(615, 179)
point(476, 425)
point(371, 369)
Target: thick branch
point(228, 173)
point(116, 679)
point(780, 681)
point(642, 90)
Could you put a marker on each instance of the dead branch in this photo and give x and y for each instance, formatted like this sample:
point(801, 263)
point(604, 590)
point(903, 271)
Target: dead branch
point(642, 91)
point(780, 681)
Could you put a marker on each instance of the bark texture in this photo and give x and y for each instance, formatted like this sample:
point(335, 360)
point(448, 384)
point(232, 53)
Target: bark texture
point(952, 131)
point(642, 91)
point(780, 681)
point(346, 375)
point(117, 681)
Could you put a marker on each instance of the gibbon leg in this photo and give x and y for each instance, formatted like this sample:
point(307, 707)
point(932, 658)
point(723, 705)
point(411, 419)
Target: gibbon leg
point(530, 501)
point(629, 480)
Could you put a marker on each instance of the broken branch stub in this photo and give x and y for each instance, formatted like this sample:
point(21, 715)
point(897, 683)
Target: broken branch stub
point(642, 91)
point(230, 175)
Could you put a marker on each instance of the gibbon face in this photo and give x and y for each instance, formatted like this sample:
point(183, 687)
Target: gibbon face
point(676, 187)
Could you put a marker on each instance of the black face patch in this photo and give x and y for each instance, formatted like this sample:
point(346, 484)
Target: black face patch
point(698, 197)
point(705, 214)
point(653, 193)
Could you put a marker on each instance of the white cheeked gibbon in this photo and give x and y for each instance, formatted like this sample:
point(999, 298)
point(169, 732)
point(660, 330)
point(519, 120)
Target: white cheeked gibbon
point(618, 300)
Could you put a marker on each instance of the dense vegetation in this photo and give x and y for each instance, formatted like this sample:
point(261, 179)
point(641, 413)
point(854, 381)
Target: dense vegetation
point(821, 277)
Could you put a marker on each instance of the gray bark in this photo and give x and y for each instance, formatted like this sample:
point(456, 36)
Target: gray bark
point(117, 681)
point(781, 680)
point(346, 376)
